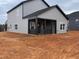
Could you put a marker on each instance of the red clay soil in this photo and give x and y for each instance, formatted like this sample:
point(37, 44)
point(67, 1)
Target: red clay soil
point(22, 46)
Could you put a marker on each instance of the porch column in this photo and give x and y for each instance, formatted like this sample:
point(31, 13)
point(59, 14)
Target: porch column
point(36, 21)
point(45, 26)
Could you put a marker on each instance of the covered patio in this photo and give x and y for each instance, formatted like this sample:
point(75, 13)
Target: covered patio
point(41, 26)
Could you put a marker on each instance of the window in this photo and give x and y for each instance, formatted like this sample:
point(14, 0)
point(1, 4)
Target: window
point(16, 26)
point(62, 26)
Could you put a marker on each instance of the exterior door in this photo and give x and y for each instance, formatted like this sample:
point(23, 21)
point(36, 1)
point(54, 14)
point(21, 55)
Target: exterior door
point(48, 28)
point(54, 27)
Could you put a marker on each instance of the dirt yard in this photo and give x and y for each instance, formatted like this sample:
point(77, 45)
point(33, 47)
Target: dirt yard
point(22, 46)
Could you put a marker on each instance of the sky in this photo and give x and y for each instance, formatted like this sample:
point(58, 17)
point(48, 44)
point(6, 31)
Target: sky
point(68, 6)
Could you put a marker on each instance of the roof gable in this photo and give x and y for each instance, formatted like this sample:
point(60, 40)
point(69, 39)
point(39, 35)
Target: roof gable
point(25, 2)
point(44, 10)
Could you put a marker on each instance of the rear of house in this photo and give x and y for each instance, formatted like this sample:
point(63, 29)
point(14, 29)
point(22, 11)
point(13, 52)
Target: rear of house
point(28, 19)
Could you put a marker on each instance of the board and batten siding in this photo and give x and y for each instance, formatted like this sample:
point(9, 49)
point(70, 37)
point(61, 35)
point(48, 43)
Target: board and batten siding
point(33, 6)
point(15, 17)
point(55, 14)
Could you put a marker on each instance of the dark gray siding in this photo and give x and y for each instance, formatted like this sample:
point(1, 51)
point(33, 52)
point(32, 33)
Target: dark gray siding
point(73, 24)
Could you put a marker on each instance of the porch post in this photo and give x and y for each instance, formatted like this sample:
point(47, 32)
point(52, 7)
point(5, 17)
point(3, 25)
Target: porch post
point(45, 27)
point(36, 21)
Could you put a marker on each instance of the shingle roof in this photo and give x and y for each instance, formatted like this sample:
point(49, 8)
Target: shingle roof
point(24, 2)
point(44, 10)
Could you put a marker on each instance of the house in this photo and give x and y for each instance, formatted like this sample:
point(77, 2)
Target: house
point(36, 17)
point(73, 21)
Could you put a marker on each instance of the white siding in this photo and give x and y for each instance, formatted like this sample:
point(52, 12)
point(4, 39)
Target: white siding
point(15, 17)
point(55, 14)
point(33, 6)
